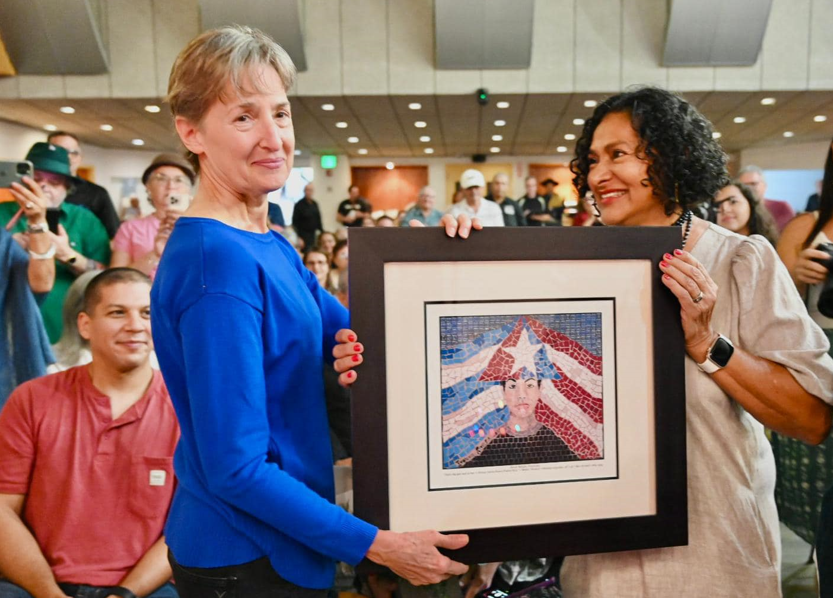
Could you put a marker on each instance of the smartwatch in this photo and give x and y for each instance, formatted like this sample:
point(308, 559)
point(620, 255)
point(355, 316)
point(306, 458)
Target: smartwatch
point(718, 356)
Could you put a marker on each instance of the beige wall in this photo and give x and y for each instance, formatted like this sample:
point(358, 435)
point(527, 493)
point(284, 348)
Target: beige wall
point(795, 156)
point(370, 47)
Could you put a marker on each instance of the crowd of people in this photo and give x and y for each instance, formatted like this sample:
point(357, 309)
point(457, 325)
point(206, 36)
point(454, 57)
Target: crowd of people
point(245, 369)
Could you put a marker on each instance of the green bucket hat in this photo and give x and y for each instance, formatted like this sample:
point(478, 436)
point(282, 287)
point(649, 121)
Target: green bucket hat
point(50, 158)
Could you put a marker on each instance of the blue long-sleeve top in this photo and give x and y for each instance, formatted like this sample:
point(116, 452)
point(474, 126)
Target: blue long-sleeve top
point(241, 329)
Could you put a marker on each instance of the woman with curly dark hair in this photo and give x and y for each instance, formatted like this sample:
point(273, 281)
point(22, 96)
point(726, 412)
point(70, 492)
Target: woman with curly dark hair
point(738, 209)
point(754, 359)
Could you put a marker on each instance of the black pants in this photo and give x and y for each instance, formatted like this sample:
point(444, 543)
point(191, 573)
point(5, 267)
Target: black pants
point(256, 579)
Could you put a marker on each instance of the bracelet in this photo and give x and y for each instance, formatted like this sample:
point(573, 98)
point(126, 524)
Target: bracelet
point(37, 228)
point(47, 255)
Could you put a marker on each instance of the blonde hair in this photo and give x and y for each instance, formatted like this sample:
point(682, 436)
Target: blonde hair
point(213, 59)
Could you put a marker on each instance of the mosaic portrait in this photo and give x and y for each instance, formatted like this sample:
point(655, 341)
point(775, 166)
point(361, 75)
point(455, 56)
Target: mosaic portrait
point(521, 389)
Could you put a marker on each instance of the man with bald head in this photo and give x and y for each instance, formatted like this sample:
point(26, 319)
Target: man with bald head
point(423, 211)
point(511, 212)
point(306, 218)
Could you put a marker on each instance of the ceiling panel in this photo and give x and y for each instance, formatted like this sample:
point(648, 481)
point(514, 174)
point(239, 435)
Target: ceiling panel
point(458, 126)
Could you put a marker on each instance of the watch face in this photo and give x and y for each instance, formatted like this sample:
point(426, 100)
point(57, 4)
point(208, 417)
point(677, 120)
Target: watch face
point(721, 352)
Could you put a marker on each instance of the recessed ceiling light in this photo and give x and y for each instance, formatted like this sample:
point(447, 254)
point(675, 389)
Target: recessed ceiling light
point(297, 152)
point(500, 123)
point(590, 103)
point(502, 105)
point(425, 139)
point(561, 149)
point(106, 127)
point(420, 124)
point(716, 135)
point(578, 121)
point(820, 118)
point(389, 165)
point(789, 134)
point(352, 140)
point(429, 150)
point(67, 109)
point(363, 151)
point(152, 108)
point(494, 150)
point(341, 125)
point(138, 142)
point(497, 137)
point(569, 137)
point(739, 120)
point(50, 127)
point(415, 106)
point(767, 101)
point(328, 107)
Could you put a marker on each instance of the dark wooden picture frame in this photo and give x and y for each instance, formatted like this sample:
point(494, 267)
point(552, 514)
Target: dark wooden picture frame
point(371, 249)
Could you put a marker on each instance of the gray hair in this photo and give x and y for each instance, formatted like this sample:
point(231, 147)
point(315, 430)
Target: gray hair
point(69, 346)
point(424, 191)
point(752, 168)
point(215, 58)
point(500, 174)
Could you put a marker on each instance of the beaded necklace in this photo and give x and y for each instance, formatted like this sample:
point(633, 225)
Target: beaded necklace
point(685, 221)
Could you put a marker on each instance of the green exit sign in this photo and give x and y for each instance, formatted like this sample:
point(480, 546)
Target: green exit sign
point(328, 161)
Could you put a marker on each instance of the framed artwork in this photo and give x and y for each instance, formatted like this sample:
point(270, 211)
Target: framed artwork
point(524, 386)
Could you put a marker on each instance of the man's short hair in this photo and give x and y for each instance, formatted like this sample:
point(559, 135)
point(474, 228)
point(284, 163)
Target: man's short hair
point(752, 168)
point(55, 134)
point(424, 191)
point(92, 296)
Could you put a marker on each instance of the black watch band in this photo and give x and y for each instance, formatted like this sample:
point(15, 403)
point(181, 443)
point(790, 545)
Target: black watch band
point(119, 591)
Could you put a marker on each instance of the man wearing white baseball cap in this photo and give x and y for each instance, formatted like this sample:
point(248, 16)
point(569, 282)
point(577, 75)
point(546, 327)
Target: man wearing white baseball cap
point(473, 185)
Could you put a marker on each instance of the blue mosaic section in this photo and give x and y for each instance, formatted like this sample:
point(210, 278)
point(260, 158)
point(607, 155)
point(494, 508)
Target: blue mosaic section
point(465, 442)
point(454, 350)
point(455, 397)
point(466, 335)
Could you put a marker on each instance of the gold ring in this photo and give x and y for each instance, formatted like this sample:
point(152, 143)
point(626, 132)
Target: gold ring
point(698, 298)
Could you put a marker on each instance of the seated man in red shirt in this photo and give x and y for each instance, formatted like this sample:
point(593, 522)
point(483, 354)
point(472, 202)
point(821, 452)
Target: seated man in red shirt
point(86, 475)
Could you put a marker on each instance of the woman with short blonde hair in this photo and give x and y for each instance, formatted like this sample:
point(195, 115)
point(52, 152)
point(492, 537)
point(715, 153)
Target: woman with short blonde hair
point(241, 329)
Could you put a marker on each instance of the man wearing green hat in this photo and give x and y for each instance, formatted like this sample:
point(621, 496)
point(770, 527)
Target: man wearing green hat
point(81, 243)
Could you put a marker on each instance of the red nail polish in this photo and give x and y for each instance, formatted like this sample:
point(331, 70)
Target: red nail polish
point(355, 357)
point(351, 338)
point(678, 252)
point(350, 374)
point(666, 277)
point(668, 257)
point(663, 264)
point(357, 348)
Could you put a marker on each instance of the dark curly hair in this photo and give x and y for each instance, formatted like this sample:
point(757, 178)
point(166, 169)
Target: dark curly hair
point(760, 221)
point(686, 166)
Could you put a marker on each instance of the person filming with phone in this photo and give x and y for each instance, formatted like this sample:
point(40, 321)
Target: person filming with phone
point(139, 243)
point(78, 240)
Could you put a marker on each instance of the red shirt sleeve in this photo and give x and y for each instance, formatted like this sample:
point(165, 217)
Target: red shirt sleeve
point(17, 442)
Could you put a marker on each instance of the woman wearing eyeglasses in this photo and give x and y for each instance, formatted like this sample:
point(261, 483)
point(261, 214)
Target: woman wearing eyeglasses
point(140, 242)
point(737, 209)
